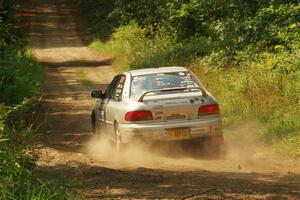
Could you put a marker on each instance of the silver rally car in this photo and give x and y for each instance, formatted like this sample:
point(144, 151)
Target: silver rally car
point(157, 104)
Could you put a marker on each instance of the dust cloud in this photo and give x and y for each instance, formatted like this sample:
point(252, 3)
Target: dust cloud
point(135, 154)
point(245, 152)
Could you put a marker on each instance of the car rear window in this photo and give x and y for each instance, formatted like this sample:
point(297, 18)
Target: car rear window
point(142, 83)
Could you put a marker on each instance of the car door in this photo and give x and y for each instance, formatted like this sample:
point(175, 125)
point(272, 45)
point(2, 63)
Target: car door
point(102, 103)
point(114, 104)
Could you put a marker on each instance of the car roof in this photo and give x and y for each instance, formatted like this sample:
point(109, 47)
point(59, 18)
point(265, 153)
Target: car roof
point(139, 72)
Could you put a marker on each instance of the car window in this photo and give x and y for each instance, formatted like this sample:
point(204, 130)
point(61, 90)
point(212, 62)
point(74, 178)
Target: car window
point(117, 93)
point(142, 83)
point(109, 93)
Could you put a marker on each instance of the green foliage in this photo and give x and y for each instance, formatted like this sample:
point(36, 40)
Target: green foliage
point(21, 76)
point(134, 50)
point(100, 17)
point(290, 144)
point(232, 24)
point(264, 89)
point(18, 157)
point(7, 8)
point(276, 25)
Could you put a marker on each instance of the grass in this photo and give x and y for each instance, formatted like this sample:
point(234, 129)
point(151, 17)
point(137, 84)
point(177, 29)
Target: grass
point(18, 157)
point(290, 145)
point(249, 96)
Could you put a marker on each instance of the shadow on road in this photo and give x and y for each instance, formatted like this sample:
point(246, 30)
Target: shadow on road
point(102, 182)
point(54, 21)
point(78, 63)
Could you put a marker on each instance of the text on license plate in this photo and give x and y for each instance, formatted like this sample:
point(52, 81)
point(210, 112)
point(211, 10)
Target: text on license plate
point(178, 133)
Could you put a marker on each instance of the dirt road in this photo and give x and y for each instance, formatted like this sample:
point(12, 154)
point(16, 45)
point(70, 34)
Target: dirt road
point(70, 152)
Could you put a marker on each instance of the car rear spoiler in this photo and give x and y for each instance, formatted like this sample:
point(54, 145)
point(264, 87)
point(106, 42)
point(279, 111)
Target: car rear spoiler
point(171, 89)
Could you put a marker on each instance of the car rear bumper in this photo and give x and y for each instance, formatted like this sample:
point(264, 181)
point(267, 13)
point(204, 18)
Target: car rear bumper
point(161, 131)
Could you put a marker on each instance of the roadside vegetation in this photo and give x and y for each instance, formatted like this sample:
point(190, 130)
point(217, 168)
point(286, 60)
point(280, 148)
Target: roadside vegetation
point(247, 53)
point(21, 80)
point(81, 77)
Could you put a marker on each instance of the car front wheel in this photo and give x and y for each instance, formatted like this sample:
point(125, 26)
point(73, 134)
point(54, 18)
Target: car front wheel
point(96, 126)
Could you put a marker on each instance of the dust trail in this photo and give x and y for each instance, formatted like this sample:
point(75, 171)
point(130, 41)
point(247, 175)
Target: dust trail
point(136, 154)
point(246, 153)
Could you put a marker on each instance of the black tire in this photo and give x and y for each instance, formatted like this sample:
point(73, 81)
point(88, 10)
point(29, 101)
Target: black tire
point(214, 146)
point(96, 127)
point(93, 122)
point(98, 130)
point(119, 145)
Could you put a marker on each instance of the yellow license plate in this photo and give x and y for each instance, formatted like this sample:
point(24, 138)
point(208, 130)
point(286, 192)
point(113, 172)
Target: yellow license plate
point(178, 134)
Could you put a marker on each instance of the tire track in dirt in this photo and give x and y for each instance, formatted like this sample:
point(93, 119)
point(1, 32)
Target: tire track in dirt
point(56, 38)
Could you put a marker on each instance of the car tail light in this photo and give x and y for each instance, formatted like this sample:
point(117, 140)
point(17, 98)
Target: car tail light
point(208, 110)
point(143, 115)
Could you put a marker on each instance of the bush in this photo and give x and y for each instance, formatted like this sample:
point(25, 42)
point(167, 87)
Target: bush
point(21, 76)
point(264, 89)
point(100, 19)
point(135, 51)
point(18, 157)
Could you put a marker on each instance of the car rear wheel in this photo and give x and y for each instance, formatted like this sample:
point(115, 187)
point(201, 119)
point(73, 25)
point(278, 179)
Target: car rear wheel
point(97, 130)
point(93, 121)
point(214, 146)
point(119, 144)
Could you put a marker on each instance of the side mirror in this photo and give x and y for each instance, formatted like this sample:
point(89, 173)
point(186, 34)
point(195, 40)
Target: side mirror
point(97, 94)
